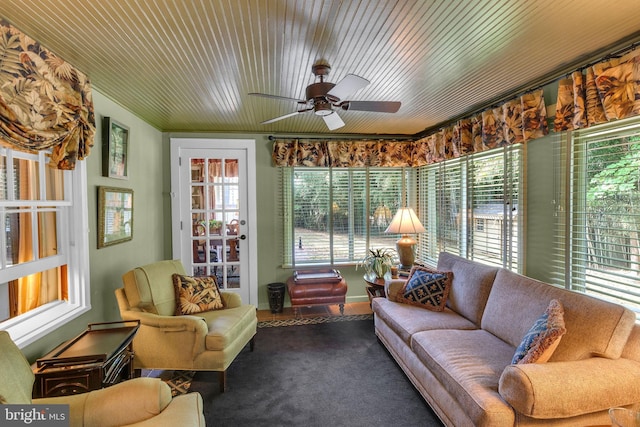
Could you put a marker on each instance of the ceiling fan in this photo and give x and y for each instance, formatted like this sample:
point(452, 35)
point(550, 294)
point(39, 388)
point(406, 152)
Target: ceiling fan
point(322, 97)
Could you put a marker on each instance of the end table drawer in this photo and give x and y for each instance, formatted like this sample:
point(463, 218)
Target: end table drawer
point(68, 381)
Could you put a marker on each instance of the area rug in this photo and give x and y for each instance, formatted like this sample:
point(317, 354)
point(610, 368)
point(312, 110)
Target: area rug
point(180, 381)
point(313, 320)
point(322, 374)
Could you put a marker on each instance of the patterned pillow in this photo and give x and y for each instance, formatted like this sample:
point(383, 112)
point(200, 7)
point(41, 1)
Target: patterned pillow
point(426, 288)
point(196, 294)
point(541, 341)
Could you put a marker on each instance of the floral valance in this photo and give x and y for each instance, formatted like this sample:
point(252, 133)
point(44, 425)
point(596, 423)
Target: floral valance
point(322, 153)
point(516, 121)
point(44, 101)
point(606, 91)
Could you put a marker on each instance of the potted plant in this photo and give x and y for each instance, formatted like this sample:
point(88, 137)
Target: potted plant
point(214, 225)
point(378, 262)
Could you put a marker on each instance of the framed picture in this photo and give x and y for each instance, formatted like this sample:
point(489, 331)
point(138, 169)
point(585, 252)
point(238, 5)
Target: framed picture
point(115, 149)
point(115, 215)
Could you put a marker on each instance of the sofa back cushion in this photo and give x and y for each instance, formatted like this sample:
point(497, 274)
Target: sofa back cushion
point(470, 285)
point(632, 348)
point(150, 287)
point(594, 327)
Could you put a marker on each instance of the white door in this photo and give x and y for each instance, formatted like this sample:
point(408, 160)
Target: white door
point(213, 209)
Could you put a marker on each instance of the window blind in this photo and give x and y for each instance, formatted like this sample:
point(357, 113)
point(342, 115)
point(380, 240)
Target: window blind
point(471, 207)
point(599, 231)
point(332, 216)
point(494, 189)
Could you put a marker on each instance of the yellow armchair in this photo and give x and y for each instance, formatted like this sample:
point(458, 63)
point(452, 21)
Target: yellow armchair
point(208, 341)
point(139, 402)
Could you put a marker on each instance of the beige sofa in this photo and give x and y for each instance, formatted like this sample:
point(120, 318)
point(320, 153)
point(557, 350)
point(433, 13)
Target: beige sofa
point(141, 402)
point(460, 359)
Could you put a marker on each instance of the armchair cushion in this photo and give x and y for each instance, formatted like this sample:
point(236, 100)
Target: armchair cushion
point(196, 294)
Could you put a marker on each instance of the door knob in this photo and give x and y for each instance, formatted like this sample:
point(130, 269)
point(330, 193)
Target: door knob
point(242, 237)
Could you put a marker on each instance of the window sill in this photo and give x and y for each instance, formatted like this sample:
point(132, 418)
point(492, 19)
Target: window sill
point(37, 323)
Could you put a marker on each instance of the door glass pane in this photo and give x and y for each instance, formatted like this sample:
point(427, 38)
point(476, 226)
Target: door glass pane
point(232, 277)
point(197, 197)
point(197, 170)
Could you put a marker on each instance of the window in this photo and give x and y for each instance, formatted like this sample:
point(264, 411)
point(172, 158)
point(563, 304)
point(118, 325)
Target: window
point(44, 211)
point(598, 226)
point(333, 216)
point(470, 206)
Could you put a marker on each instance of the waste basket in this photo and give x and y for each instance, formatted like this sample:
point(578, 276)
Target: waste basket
point(276, 297)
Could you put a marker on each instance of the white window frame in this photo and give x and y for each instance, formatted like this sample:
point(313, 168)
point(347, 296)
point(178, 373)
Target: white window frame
point(74, 236)
point(286, 208)
point(571, 269)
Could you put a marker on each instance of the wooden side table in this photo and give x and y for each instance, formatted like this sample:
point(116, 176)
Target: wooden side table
point(375, 288)
point(101, 356)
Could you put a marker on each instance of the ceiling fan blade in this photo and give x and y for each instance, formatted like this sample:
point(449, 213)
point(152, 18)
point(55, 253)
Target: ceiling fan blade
point(348, 85)
point(333, 121)
point(286, 116)
point(375, 106)
point(282, 98)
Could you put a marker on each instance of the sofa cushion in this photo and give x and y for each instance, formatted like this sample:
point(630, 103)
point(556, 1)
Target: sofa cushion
point(405, 320)
point(426, 288)
point(594, 327)
point(543, 338)
point(470, 285)
point(196, 294)
point(227, 325)
point(468, 364)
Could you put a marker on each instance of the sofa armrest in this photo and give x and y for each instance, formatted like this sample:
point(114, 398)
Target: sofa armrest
point(565, 389)
point(189, 323)
point(185, 411)
point(392, 288)
point(124, 403)
point(231, 299)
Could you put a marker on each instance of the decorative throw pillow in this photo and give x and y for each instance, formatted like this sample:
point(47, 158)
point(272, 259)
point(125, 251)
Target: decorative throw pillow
point(196, 294)
point(426, 288)
point(543, 338)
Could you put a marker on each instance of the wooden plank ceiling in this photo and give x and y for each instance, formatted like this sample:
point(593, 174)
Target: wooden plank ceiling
point(189, 65)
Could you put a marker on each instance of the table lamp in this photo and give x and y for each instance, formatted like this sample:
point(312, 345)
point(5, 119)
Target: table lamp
point(405, 222)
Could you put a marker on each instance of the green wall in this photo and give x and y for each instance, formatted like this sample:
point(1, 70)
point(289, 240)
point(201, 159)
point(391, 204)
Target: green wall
point(146, 174)
point(150, 180)
point(269, 233)
point(540, 214)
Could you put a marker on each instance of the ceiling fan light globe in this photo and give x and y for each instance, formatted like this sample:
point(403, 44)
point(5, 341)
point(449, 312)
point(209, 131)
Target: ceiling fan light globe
point(322, 108)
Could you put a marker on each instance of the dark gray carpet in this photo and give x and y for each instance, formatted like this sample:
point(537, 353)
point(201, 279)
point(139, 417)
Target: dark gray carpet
point(328, 374)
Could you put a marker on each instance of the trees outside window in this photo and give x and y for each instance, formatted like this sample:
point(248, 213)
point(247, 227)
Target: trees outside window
point(333, 216)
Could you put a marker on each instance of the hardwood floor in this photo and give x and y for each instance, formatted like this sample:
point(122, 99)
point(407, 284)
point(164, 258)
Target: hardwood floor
point(315, 311)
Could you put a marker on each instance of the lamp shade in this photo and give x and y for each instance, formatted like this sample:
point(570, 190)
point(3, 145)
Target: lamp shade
point(405, 222)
